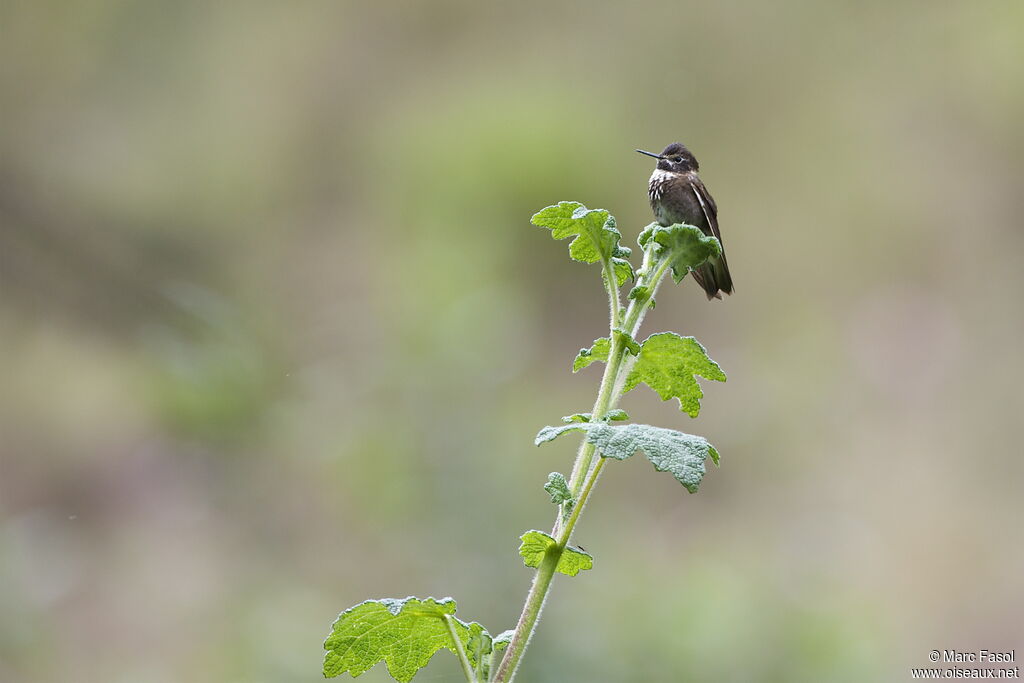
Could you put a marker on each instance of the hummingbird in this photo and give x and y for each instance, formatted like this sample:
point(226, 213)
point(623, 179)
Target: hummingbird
point(678, 196)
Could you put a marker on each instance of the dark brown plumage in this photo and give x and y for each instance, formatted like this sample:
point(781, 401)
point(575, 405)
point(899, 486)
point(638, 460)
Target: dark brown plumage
point(678, 195)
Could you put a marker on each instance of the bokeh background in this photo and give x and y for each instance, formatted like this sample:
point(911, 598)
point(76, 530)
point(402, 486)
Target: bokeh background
point(276, 334)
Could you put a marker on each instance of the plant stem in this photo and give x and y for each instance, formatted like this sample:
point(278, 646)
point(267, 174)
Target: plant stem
point(563, 539)
point(607, 396)
point(467, 668)
point(601, 406)
point(583, 475)
point(610, 284)
point(531, 612)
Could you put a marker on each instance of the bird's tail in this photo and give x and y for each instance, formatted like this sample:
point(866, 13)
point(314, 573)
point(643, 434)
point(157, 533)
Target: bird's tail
point(714, 277)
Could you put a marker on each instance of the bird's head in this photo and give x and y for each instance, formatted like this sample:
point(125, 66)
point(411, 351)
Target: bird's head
point(675, 158)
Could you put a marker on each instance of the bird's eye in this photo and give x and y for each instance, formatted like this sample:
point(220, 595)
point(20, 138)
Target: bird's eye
point(677, 159)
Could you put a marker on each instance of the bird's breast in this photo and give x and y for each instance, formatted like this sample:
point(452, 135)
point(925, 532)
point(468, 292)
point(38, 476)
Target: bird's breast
point(663, 183)
point(673, 200)
point(660, 183)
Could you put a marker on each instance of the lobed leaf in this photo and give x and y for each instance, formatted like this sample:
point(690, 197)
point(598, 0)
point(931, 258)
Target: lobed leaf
point(682, 455)
point(602, 347)
point(598, 352)
point(404, 634)
point(670, 364)
point(536, 545)
point(686, 246)
point(596, 237)
point(558, 488)
point(667, 363)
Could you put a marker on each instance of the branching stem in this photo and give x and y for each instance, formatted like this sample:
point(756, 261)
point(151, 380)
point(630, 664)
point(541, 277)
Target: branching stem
point(584, 476)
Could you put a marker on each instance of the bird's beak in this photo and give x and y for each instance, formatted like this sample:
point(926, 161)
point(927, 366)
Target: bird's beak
point(656, 156)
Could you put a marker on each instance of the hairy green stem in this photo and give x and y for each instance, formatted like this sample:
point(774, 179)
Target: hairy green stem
point(531, 612)
point(611, 285)
point(608, 395)
point(583, 475)
point(467, 668)
point(563, 538)
point(605, 401)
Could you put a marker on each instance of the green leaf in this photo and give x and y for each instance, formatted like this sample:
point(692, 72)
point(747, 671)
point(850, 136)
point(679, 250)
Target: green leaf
point(478, 645)
point(682, 455)
point(404, 634)
point(686, 246)
point(597, 238)
point(601, 348)
point(616, 414)
point(597, 352)
point(626, 338)
point(536, 544)
point(623, 270)
point(558, 488)
point(502, 640)
point(670, 364)
point(639, 292)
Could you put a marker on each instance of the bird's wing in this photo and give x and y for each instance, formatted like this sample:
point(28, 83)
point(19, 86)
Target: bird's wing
point(715, 271)
point(707, 205)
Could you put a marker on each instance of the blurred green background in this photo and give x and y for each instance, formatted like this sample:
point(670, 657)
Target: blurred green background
point(276, 334)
